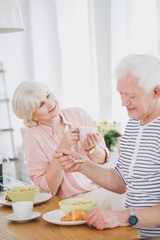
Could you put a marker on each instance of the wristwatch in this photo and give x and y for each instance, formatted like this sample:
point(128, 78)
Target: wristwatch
point(133, 220)
point(92, 150)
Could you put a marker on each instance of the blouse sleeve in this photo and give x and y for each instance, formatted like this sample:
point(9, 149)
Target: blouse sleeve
point(36, 161)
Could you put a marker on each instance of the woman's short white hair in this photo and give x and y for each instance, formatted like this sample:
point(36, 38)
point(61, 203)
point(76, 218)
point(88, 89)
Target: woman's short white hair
point(26, 99)
point(144, 67)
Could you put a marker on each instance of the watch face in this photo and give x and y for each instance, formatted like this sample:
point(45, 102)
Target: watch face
point(133, 220)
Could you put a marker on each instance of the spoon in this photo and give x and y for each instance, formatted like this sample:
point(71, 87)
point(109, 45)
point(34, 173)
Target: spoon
point(78, 160)
point(6, 187)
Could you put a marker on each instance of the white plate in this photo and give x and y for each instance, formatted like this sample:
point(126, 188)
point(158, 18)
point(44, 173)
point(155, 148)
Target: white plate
point(41, 197)
point(33, 215)
point(55, 217)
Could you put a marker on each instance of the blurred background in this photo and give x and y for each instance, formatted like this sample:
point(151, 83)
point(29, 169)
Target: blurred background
point(74, 47)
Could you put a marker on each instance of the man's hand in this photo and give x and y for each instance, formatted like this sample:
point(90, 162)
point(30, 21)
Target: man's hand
point(101, 218)
point(67, 161)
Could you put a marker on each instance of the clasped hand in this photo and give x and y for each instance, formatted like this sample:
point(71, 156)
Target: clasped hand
point(70, 138)
point(65, 158)
point(90, 141)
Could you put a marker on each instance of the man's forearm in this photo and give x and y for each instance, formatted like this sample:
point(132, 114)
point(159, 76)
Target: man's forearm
point(147, 217)
point(107, 178)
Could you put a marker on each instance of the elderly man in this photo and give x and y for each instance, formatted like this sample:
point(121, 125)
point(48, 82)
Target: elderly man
point(138, 168)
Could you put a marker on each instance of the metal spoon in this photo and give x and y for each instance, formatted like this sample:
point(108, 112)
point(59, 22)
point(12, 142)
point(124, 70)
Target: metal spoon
point(6, 187)
point(78, 160)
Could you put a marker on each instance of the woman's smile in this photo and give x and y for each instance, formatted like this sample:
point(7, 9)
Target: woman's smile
point(52, 110)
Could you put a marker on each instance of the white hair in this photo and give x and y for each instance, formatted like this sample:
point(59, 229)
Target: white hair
point(26, 99)
point(145, 68)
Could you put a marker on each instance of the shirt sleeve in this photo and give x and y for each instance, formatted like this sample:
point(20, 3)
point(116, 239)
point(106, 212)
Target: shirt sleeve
point(119, 169)
point(36, 161)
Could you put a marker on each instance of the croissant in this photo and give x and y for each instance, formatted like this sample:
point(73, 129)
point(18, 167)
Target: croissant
point(75, 215)
point(7, 198)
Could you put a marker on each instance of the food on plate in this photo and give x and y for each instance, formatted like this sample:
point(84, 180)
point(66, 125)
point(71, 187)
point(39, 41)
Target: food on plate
point(7, 198)
point(75, 215)
point(81, 202)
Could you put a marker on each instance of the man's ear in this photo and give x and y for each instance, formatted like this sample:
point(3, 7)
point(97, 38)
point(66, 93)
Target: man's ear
point(156, 92)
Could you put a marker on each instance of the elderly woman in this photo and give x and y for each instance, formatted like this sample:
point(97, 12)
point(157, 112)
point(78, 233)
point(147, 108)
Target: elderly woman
point(138, 168)
point(52, 129)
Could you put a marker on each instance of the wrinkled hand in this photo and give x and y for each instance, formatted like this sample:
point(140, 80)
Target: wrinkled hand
point(101, 218)
point(90, 141)
point(70, 138)
point(67, 163)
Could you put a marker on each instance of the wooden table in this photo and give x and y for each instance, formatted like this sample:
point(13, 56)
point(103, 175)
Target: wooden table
point(39, 229)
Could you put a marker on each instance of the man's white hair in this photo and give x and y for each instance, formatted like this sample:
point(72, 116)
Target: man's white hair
point(26, 99)
point(144, 67)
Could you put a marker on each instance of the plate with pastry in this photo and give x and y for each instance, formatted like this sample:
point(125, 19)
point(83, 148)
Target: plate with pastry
point(41, 198)
point(75, 217)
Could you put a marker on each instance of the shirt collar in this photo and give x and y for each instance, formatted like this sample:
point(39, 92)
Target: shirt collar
point(51, 130)
point(65, 120)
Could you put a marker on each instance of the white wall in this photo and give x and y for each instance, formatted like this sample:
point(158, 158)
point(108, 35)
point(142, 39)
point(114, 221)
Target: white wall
point(15, 53)
point(102, 10)
point(35, 54)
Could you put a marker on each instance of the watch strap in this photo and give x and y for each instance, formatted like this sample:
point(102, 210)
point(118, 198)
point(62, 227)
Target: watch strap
point(132, 212)
point(92, 150)
point(133, 219)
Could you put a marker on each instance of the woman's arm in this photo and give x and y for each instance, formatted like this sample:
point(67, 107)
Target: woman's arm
point(97, 154)
point(54, 176)
point(95, 148)
point(43, 169)
point(101, 154)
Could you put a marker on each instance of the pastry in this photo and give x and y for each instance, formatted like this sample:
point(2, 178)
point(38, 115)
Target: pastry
point(75, 215)
point(7, 198)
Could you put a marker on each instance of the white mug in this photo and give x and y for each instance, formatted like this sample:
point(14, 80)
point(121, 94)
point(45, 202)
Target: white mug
point(84, 130)
point(22, 209)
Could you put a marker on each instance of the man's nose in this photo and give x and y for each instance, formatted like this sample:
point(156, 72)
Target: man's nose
point(125, 100)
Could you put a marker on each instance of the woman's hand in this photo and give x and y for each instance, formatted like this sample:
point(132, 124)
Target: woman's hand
point(67, 161)
point(101, 218)
point(70, 138)
point(90, 141)
point(54, 174)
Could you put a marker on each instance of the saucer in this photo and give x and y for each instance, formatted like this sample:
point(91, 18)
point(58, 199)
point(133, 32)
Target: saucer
point(13, 217)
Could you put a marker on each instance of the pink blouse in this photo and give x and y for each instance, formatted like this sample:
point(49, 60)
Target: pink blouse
point(40, 143)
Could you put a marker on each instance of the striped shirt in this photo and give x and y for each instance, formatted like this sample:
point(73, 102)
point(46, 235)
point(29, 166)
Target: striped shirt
point(139, 167)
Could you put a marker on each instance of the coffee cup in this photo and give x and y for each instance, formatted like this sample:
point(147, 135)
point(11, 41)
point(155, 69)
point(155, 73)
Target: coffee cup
point(23, 209)
point(84, 130)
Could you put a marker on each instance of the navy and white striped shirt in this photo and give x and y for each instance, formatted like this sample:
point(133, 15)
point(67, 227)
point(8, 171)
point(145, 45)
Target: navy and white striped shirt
point(139, 167)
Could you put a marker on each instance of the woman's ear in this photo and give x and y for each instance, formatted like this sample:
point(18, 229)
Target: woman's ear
point(156, 92)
